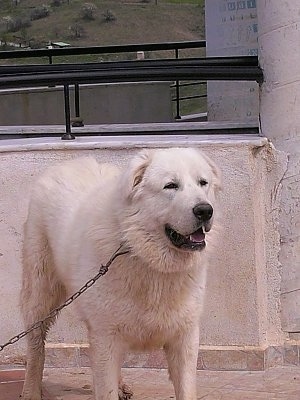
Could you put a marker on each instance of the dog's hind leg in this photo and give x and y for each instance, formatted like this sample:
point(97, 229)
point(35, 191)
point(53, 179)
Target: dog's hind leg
point(41, 292)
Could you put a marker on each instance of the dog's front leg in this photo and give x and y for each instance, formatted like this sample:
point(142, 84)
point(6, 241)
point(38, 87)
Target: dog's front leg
point(182, 355)
point(106, 354)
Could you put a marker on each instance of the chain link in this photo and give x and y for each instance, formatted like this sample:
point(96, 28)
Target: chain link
point(39, 324)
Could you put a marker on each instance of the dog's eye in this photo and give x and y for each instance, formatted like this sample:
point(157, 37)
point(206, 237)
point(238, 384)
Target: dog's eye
point(171, 185)
point(203, 182)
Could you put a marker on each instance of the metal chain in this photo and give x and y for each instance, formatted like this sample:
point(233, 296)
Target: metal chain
point(39, 324)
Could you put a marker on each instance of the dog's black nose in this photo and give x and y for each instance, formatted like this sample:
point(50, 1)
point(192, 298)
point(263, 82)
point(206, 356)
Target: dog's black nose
point(203, 211)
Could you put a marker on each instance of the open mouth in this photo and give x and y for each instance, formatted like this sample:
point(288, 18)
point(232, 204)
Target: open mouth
point(193, 241)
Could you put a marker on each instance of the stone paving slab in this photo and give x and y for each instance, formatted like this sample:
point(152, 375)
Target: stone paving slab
point(280, 383)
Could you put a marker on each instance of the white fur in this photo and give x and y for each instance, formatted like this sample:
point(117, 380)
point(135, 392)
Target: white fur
point(80, 212)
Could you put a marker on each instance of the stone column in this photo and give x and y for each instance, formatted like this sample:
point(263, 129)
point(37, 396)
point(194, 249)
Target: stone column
point(279, 52)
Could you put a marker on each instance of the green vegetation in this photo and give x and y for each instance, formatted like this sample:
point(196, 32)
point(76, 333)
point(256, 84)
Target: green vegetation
point(101, 22)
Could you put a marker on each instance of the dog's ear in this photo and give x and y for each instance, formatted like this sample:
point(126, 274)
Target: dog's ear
point(134, 173)
point(140, 164)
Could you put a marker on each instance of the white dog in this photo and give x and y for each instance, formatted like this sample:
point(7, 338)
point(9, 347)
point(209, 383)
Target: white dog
point(160, 208)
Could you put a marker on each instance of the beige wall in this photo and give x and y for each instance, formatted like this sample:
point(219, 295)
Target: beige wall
point(243, 293)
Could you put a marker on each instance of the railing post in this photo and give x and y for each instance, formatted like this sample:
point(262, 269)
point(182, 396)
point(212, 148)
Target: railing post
point(68, 135)
point(177, 88)
point(77, 105)
point(77, 121)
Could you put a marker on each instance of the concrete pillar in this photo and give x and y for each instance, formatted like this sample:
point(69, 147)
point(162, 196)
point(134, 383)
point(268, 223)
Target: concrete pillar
point(231, 30)
point(279, 52)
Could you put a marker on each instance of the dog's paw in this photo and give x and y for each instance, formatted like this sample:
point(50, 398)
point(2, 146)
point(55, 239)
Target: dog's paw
point(125, 393)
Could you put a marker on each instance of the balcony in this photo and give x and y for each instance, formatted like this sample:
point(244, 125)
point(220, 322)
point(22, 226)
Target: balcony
point(243, 334)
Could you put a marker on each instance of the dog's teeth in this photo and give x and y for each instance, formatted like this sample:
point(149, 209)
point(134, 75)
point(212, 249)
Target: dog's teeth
point(191, 239)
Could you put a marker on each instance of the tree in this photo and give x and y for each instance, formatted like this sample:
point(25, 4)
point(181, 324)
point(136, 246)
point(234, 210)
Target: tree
point(23, 39)
point(40, 12)
point(109, 16)
point(56, 3)
point(15, 24)
point(4, 39)
point(7, 21)
point(76, 30)
point(88, 11)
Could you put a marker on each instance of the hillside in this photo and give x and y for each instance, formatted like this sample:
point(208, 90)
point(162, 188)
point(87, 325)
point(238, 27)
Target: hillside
point(101, 22)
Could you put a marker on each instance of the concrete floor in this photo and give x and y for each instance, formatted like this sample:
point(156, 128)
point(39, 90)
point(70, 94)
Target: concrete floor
point(149, 384)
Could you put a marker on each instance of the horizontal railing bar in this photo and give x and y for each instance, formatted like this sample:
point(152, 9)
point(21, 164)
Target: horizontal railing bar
point(189, 84)
point(196, 96)
point(168, 70)
point(247, 61)
point(245, 74)
point(68, 51)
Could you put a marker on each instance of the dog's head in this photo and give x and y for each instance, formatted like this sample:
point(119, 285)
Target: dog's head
point(169, 201)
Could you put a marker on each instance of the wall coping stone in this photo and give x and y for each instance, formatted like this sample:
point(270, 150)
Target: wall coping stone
point(126, 137)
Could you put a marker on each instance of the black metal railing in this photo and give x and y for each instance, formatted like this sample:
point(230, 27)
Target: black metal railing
point(51, 53)
point(187, 69)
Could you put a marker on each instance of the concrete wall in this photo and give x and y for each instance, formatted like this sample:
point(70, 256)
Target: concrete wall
point(243, 293)
point(99, 104)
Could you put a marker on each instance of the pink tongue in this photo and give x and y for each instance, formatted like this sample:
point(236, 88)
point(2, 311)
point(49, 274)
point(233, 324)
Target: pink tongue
point(197, 236)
